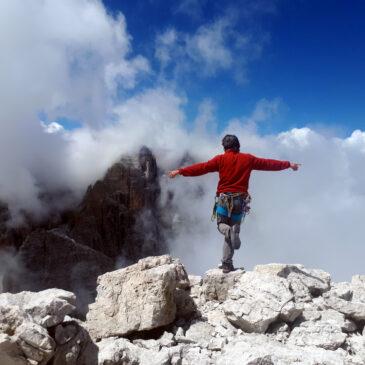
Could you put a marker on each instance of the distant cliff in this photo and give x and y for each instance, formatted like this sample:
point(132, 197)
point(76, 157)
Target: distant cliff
point(117, 221)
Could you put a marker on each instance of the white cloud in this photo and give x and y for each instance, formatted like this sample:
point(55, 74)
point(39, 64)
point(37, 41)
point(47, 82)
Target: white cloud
point(209, 46)
point(165, 44)
point(264, 110)
point(213, 47)
point(125, 73)
point(52, 127)
point(356, 141)
point(63, 59)
point(68, 58)
point(297, 137)
point(312, 216)
point(205, 122)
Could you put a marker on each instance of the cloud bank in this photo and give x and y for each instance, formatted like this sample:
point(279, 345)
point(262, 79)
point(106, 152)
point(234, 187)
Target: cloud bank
point(72, 59)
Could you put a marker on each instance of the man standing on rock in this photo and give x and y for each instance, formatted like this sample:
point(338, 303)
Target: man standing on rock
point(232, 197)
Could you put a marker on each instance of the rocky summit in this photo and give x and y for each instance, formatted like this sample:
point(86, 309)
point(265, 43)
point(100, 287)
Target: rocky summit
point(153, 313)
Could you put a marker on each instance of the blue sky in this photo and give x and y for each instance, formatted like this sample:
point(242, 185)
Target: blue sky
point(310, 54)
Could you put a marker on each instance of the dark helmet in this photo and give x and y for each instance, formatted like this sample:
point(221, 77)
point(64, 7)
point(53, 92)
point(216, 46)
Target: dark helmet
point(231, 142)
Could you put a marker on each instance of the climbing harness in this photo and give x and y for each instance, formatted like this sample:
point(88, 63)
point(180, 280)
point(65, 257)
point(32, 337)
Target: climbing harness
point(224, 204)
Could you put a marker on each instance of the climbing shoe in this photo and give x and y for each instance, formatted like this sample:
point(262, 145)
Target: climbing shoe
point(227, 267)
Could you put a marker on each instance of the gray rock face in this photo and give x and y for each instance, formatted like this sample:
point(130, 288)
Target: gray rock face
point(256, 301)
point(305, 283)
point(215, 284)
point(138, 298)
point(355, 344)
point(74, 345)
point(200, 332)
point(324, 334)
point(358, 289)
point(35, 342)
point(356, 311)
point(71, 249)
point(10, 353)
point(25, 319)
point(46, 308)
point(51, 259)
point(121, 351)
point(261, 350)
point(117, 210)
point(291, 314)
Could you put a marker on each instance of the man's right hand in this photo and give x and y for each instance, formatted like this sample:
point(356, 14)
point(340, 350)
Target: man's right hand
point(173, 173)
point(294, 166)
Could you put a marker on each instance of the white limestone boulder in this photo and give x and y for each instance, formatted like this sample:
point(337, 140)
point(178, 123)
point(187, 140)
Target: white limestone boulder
point(324, 334)
point(137, 298)
point(24, 319)
point(258, 349)
point(47, 308)
point(355, 345)
point(35, 342)
point(352, 309)
point(10, 353)
point(305, 283)
point(215, 284)
point(116, 351)
point(358, 288)
point(200, 332)
point(257, 300)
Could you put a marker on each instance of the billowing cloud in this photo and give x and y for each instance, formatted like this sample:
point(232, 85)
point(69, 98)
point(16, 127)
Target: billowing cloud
point(209, 46)
point(60, 59)
point(214, 47)
point(71, 59)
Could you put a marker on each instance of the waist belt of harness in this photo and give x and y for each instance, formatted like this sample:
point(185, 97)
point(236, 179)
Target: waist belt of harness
point(224, 211)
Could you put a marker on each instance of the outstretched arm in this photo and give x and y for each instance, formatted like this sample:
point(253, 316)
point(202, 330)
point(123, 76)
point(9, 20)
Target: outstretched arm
point(198, 168)
point(272, 165)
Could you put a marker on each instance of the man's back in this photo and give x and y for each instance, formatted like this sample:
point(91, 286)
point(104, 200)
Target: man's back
point(234, 169)
point(234, 172)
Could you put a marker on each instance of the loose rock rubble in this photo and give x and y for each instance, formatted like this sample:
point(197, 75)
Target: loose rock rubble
point(153, 313)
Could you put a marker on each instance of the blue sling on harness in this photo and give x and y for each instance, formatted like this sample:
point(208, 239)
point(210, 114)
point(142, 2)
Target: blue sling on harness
point(224, 206)
point(224, 211)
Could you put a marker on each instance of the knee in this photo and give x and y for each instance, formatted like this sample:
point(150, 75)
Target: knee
point(223, 228)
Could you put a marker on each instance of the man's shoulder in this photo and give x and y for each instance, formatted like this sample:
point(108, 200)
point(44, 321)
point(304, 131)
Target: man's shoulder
point(246, 155)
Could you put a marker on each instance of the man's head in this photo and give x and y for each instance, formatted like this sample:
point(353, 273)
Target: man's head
point(231, 142)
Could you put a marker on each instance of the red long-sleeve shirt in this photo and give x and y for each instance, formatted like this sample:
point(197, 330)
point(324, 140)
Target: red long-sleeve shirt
point(234, 169)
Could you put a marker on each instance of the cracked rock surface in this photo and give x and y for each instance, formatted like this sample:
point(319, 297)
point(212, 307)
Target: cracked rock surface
point(153, 313)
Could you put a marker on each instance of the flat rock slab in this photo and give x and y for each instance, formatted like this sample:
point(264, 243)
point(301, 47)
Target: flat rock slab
point(324, 334)
point(254, 349)
point(137, 298)
point(47, 308)
point(216, 284)
point(304, 283)
point(257, 300)
point(113, 351)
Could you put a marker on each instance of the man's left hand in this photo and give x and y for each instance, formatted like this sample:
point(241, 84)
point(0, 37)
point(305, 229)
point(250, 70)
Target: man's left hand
point(295, 166)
